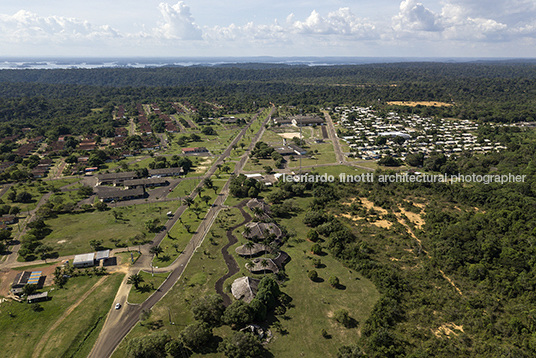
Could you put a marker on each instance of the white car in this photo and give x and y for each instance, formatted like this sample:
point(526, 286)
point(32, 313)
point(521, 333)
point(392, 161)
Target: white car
point(117, 306)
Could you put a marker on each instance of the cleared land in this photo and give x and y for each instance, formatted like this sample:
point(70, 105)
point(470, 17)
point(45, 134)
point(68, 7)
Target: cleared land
point(420, 103)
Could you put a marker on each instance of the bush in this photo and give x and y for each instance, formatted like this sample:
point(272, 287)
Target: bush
point(208, 309)
point(316, 249)
point(343, 317)
point(317, 263)
point(241, 345)
point(313, 236)
point(313, 275)
point(196, 336)
point(334, 281)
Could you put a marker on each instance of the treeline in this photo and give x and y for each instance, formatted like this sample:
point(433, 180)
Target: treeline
point(203, 76)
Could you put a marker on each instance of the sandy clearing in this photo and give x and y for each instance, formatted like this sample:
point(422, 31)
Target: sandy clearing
point(379, 223)
point(422, 103)
point(289, 135)
point(448, 329)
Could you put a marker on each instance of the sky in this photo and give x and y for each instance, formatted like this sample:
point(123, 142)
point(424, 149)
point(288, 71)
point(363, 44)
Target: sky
point(358, 28)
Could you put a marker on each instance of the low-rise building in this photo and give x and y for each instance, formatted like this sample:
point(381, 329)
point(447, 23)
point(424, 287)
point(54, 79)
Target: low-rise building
point(84, 260)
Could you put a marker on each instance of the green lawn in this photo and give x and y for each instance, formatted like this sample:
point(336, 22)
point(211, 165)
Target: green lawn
point(149, 285)
point(75, 336)
point(71, 233)
point(184, 188)
point(325, 155)
point(178, 237)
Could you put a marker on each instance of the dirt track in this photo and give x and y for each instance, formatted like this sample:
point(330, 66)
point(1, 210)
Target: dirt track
point(229, 259)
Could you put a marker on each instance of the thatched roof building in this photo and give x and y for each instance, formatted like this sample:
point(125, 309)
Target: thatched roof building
point(259, 231)
point(245, 288)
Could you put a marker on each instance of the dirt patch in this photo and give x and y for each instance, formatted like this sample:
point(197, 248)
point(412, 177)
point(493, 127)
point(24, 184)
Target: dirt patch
point(7, 277)
point(382, 223)
point(370, 205)
point(420, 103)
point(379, 223)
point(448, 329)
point(416, 219)
point(289, 135)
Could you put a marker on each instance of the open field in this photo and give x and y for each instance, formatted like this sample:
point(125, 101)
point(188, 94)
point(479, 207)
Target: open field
point(325, 155)
point(74, 337)
point(184, 188)
point(149, 285)
point(71, 233)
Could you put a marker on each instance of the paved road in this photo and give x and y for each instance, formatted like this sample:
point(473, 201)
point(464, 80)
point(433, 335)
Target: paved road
point(120, 322)
point(333, 136)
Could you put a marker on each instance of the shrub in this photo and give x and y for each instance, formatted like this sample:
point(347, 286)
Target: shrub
point(313, 275)
point(316, 249)
point(334, 281)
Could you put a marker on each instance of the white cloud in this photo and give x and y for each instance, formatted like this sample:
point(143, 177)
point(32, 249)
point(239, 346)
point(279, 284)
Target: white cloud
point(250, 32)
point(413, 16)
point(341, 22)
point(178, 23)
point(453, 24)
point(27, 27)
point(458, 21)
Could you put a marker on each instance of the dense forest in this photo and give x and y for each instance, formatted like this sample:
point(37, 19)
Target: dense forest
point(500, 92)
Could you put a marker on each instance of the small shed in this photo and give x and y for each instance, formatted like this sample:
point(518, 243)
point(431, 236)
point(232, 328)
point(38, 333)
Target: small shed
point(102, 255)
point(20, 281)
point(84, 260)
point(37, 297)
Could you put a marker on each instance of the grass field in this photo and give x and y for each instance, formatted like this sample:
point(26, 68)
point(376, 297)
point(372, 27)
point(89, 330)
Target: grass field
point(71, 233)
point(178, 237)
point(74, 337)
point(184, 188)
point(325, 155)
point(149, 285)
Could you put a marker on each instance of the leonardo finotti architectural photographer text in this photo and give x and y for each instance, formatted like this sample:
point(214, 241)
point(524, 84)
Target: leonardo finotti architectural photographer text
point(404, 178)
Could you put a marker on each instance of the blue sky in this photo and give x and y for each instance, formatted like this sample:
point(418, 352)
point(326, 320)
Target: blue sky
point(426, 28)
